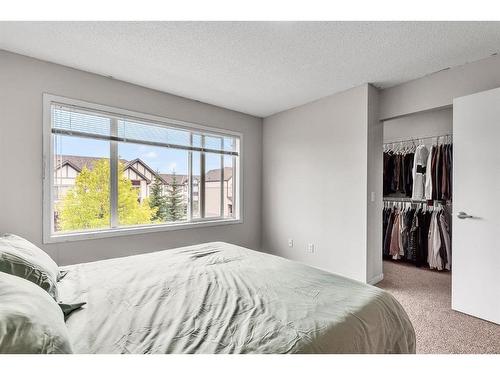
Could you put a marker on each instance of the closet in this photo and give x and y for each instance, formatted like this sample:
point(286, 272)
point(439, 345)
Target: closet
point(418, 189)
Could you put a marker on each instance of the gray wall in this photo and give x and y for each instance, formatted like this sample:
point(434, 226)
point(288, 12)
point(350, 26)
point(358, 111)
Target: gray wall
point(23, 81)
point(374, 189)
point(419, 125)
point(315, 182)
point(439, 89)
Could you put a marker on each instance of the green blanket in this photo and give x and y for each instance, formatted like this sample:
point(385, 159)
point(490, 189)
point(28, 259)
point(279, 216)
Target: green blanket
point(222, 298)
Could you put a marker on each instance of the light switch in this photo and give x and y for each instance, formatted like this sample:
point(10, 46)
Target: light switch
point(290, 242)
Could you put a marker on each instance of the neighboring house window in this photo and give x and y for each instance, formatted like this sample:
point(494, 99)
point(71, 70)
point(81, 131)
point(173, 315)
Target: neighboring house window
point(112, 171)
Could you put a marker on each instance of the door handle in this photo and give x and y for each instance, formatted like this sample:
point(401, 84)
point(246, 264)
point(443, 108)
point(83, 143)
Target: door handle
point(463, 215)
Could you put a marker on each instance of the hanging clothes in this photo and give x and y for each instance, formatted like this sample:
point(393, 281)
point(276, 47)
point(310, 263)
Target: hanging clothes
point(398, 172)
point(420, 236)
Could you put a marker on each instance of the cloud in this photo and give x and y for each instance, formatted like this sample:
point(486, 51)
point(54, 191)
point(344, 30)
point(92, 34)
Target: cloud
point(172, 166)
point(150, 155)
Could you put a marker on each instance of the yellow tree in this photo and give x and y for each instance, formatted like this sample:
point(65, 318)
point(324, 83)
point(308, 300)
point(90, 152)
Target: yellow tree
point(87, 204)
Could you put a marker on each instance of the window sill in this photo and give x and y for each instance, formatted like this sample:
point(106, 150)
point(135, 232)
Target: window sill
point(106, 233)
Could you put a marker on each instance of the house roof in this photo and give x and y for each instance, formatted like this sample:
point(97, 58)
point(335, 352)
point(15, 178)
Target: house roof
point(78, 162)
point(169, 177)
point(214, 174)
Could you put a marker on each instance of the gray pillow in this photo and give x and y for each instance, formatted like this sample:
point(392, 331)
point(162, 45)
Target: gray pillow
point(21, 258)
point(30, 320)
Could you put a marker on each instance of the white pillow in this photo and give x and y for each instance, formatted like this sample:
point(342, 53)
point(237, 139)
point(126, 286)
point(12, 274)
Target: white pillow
point(21, 258)
point(30, 320)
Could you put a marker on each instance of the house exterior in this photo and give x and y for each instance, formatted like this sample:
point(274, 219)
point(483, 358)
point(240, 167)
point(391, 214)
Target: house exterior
point(143, 176)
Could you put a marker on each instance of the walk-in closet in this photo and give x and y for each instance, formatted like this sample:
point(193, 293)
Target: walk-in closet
point(418, 192)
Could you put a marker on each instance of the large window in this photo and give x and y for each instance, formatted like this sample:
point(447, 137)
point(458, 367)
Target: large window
point(110, 171)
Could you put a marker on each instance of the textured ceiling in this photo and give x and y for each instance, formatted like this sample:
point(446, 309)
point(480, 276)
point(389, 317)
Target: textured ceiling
point(258, 68)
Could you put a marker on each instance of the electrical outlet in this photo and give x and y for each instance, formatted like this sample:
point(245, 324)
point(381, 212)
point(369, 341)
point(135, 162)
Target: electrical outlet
point(310, 248)
point(290, 242)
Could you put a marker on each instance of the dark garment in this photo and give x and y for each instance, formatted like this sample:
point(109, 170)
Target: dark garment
point(388, 233)
point(423, 243)
point(447, 172)
point(387, 212)
point(444, 175)
point(439, 172)
point(388, 173)
point(413, 238)
point(408, 174)
point(450, 173)
point(433, 172)
point(397, 180)
point(408, 225)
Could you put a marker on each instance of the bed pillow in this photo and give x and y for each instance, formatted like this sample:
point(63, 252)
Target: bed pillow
point(30, 320)
point(20, 257)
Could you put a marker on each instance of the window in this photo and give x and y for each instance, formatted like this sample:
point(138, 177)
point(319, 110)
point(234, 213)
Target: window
point(109, 172)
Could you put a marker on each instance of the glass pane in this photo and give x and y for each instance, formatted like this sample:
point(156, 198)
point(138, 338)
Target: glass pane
point(81, 184)
point(195, 187)
point(213, 185)
point(153, 185)
point(213, 143)
point(228, 187)
point(229, 144)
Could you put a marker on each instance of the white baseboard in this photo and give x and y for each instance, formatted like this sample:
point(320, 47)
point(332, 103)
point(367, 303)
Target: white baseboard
point(376, 279)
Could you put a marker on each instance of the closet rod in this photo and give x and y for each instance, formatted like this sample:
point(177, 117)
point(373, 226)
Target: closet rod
point(397, 199)
point(409, 200)
point(419, 138)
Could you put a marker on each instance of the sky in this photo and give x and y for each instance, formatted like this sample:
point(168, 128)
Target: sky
point(164, 160)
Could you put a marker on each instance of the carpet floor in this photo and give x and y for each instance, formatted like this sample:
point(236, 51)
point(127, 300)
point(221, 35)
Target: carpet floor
point(426, 297)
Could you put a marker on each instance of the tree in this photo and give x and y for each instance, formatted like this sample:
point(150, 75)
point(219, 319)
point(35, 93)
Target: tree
point(176, 207)
point(87, 204)
point(158, 201)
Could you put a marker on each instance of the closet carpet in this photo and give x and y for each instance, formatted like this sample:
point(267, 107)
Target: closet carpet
point(426, 297)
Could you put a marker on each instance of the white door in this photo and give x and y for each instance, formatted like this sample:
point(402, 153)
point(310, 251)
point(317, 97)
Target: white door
point(476, 205)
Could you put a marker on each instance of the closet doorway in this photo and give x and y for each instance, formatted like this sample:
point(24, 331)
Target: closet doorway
point(418, 205)
point(418, 193)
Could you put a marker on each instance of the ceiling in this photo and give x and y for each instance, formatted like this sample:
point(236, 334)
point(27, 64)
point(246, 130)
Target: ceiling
point(259, 68)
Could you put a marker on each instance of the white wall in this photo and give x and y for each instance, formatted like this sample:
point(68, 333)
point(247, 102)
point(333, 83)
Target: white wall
point(315, 182)
point(23, 81)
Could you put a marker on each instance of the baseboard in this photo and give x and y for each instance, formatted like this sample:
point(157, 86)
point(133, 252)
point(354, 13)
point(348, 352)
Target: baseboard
point(376, 279)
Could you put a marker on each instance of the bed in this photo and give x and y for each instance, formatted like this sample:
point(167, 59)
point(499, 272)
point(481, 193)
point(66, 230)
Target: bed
point(221, 298)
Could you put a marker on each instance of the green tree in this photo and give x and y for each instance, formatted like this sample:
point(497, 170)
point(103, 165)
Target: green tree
point(87, 204)
point(158, 201)
point(176, 207)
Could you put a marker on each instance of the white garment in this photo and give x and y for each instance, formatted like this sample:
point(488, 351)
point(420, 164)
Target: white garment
point(433, 257)
point(402, 227)
point(419, 178)
point(428, 173)
point(447, 241)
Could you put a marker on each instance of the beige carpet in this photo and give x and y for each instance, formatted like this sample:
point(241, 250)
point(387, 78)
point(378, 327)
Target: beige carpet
point(426, 297)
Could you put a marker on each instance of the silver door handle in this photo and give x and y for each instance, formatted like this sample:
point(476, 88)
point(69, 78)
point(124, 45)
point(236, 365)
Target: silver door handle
point(463, 215)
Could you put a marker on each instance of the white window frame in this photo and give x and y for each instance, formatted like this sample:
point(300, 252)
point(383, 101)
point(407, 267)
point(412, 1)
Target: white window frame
point(49, 236)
